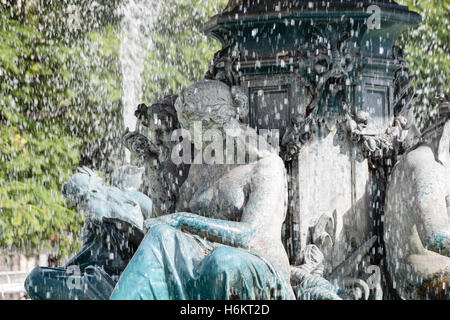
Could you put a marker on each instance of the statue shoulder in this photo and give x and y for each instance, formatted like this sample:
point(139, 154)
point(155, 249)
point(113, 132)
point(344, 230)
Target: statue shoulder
point(271, 165)
point(411, 163)
point(419, 164)
point(421, 156)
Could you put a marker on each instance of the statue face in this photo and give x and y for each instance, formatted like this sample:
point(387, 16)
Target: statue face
point(93, 199)
point(208, 103)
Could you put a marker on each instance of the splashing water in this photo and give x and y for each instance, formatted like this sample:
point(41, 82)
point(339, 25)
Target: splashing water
point(136, 25)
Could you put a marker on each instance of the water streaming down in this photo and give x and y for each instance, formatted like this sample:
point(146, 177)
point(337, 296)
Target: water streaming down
point(138, 17)
point(336, 255)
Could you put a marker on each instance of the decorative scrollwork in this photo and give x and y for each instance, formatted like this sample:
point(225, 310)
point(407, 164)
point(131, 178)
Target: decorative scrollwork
point(309, 280)
point(326, 58)
point(223, 66)
point(320, 61)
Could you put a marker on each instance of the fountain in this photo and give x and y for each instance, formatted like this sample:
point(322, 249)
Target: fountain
point(311, 68)
point(327, 77)
point(136, 26)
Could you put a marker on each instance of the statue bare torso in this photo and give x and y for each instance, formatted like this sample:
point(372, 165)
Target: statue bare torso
point(229, 192)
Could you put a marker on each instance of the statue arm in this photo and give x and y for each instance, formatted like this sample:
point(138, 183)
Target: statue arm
point(435, 236)
point(259, 213)
point(232, 233)
point(124, 208)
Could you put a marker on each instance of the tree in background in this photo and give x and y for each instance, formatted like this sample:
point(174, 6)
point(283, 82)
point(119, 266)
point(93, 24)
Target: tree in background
point(60, 102)
point(427, 51)
point(60, 97)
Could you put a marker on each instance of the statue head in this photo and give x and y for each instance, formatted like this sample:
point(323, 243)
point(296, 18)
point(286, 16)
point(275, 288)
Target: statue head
point(80, 184)
point(213, 103)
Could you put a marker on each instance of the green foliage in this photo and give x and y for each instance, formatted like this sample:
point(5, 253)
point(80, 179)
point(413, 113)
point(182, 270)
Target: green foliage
point(33, 214)
point(37, 157)
point(99, 99)
point(427, 50)
point(60, 95)
point(182, 52)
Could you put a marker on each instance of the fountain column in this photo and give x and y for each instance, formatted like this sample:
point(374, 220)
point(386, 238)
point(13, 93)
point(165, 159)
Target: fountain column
point(306, 65)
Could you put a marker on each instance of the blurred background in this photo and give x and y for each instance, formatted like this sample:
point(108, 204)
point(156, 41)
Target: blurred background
point(71, 75)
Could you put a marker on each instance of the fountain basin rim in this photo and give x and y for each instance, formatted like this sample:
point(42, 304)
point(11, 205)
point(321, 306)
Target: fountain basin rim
point(389, 12)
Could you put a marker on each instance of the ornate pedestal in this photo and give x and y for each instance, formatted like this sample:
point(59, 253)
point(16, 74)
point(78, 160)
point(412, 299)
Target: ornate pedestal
point(308, 66)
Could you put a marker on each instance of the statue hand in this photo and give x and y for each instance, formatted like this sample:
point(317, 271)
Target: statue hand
point(140, 145)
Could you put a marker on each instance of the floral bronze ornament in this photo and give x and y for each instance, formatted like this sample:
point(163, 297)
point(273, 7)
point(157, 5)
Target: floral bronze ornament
point(325, 58)
point(320, 61)
point(377, 146)
point(329, 57)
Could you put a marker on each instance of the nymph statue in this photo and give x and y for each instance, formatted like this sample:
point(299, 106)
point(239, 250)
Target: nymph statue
point(417, 225)
point(111, 234)
point(224, 239)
